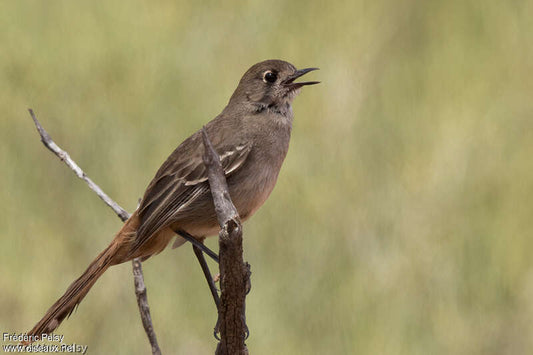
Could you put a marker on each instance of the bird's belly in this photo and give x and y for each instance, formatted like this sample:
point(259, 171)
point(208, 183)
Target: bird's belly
point(249, 195)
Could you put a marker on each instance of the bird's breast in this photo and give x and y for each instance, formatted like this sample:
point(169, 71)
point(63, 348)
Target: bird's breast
point(251, 186)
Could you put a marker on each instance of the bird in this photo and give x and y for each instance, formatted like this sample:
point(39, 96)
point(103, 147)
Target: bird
point(251, 136)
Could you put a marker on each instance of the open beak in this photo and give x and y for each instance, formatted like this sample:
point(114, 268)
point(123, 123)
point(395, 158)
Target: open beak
point(289, 82)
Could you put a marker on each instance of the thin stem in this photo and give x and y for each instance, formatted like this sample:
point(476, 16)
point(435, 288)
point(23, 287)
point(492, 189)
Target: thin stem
point(138, 278)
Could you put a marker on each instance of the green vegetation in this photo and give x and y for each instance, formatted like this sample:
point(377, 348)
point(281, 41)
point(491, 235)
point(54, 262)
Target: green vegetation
point(402, 221)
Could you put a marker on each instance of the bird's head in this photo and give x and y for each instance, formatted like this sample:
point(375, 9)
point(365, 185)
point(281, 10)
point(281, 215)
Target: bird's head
point(271, 83)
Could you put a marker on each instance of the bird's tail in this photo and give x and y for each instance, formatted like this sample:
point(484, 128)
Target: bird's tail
point(64, 306)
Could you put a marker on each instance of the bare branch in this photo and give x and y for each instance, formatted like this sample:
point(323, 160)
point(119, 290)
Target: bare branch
point(65, 157)
point(217, 182)
point(142, 302)
point(234, 273)
point(140, 288)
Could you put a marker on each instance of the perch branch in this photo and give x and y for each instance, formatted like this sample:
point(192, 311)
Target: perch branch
point(234, 272)
point(140, 288)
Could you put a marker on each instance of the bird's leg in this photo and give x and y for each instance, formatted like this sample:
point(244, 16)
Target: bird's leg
point(197, 244)
point(207, 273)
point(205, 268)
point(199, 248)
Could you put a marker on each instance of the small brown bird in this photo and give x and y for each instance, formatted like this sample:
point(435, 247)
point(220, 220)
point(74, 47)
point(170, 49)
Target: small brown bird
point(251, 136)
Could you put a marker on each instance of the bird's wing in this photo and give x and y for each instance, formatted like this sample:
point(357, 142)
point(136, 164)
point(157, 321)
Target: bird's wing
point(180, 181)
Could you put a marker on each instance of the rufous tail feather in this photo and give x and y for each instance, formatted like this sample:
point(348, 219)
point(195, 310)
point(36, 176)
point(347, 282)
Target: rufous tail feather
point(75, 293)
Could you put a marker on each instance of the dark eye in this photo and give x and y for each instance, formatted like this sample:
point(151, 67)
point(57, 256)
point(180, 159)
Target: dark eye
point(269, 77)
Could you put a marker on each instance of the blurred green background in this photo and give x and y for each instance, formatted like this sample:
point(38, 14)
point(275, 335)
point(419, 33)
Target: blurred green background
point(402, 219)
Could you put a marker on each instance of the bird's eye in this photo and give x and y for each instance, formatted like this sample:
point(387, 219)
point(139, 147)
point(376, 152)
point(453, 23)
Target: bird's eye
point(269, 77)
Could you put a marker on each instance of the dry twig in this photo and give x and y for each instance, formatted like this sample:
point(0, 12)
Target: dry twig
point(234, 272)
point(140, 288)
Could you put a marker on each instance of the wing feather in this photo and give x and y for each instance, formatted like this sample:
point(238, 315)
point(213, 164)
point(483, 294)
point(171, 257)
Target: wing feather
point(180, 181)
